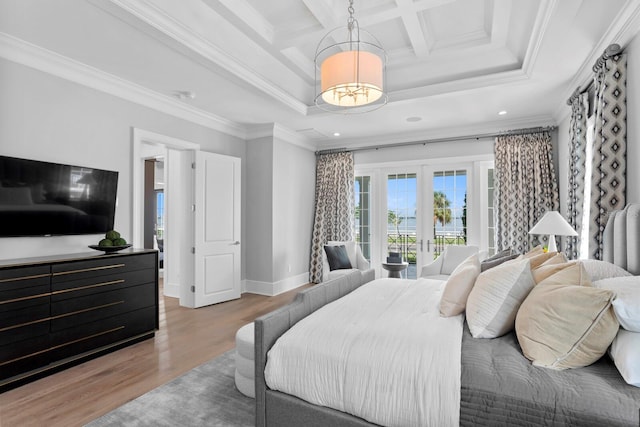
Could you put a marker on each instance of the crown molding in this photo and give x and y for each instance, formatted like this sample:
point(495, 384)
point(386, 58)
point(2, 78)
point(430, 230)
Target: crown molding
point(276, 130)
point(624, 28)
point(450, 132)
point(39, 58)
point(157, 18)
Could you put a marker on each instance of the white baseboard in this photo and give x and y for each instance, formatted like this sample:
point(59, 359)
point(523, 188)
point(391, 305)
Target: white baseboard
point(172, 290)
point(275, 288)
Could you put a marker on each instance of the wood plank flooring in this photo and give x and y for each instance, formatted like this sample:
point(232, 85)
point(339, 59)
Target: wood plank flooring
point(186, 339)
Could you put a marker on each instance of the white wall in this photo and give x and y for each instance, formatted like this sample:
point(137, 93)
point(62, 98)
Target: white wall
point(46, 118)
point(281, 179)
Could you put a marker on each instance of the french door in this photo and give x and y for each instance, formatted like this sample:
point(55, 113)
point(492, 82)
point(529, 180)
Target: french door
point(403, 213)
point(446, 199)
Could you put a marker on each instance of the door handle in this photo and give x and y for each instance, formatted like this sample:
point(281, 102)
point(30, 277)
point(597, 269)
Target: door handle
point(236, 243)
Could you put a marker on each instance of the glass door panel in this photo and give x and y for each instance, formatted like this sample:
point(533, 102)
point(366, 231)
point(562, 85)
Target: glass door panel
point(362, 225)
point(447, 199)
point(402, 214)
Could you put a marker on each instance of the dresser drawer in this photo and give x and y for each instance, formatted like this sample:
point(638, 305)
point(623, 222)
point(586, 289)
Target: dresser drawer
point(95, 285)
point(90, 336)
point(25, 323)
point(72, 312)
point(22, 285)
point(24, 356)
point(104, 266)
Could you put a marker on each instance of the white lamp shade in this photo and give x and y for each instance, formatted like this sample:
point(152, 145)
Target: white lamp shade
point(351, 78)
point(553, 223)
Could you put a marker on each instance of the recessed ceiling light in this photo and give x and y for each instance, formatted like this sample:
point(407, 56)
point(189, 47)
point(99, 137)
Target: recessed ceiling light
point(336, 134)
point(502, 112)
point(414, 119)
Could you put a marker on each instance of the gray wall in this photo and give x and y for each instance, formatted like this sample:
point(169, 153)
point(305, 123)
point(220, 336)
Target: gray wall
point(51, 119)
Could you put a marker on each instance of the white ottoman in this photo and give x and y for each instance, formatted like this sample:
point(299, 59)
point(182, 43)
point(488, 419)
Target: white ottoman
point(245, 378)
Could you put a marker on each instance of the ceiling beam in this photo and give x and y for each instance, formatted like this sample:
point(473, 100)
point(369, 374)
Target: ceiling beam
point(409, 17)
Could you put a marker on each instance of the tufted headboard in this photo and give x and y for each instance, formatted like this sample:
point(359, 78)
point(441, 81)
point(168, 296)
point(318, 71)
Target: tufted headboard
point(622, 239)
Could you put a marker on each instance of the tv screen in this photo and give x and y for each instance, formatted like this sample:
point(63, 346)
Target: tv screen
point(40, 198)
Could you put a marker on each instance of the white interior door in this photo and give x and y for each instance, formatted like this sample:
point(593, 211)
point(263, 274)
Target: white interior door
point(217, 228)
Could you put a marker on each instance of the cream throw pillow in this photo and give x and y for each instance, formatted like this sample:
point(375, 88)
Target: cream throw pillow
point(496, 296)
point(566, 323)
point(458, 286)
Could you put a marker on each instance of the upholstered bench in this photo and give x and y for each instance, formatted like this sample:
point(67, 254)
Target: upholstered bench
point(245, 378)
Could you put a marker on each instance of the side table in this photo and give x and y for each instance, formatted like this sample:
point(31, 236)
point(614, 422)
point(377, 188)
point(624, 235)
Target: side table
point(394, 268)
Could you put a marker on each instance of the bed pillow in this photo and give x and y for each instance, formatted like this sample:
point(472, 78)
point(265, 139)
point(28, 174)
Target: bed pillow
point(599, 270)
point(533, 252)
point(541, 258)
point(495, 298)
point(337, 257)
point(563, 326)
point(459, 284)
point(548, 270)
point(624, 351)
point(627, 302)
point(573, 273)
point(497, 259)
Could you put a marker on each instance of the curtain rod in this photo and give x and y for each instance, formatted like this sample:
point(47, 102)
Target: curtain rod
point(430, 141)
point(611, 51)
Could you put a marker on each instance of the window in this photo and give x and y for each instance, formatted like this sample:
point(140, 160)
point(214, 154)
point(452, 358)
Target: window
point(362, 221)
point(401, 218)
point(159, 214)
point(491, 226)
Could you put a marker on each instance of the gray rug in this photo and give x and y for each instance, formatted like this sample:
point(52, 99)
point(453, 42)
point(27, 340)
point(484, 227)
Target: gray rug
point(204, 396)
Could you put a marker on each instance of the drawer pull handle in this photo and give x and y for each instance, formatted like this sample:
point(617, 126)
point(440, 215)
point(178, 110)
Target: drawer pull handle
point(25, 298)
point(60, 316)
point(36, 276)
point(62, 345)
point(104, 267)
point(97, 285)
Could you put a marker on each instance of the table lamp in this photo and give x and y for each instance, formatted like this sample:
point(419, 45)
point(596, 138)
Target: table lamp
point(553, 223)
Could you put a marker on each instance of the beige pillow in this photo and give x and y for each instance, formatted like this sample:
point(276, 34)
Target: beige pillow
point(544, 257)
point(458, 286)
point(574, 273)
point(533, 252)
point(496, 296)
point(566, 326)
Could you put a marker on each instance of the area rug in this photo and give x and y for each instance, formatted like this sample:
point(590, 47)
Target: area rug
point(204, 396)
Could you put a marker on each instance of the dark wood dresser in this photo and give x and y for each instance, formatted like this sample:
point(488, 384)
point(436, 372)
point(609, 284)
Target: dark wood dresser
point(61, 310)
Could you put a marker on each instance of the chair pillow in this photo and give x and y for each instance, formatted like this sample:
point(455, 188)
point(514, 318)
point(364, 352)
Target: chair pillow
point(350, 246)
point(495, 298)
point(459, 284)
point(563, 326)
point(337, 257)
point(624, 351)
point(627, 302)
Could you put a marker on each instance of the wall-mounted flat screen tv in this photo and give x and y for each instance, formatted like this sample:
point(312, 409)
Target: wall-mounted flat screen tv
point(41, 198)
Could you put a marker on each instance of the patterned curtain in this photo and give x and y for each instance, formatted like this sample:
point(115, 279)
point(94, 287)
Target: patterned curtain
point(577, 168)
point(608, 179)
point(525, 188)
point(334, 211)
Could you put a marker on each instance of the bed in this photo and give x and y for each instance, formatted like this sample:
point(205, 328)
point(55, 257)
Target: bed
point(497, 384)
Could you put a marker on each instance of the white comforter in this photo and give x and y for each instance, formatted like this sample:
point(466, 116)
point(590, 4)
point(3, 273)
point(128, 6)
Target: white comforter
point(382, 353)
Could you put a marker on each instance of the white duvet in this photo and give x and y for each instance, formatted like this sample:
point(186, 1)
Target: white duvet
point(382, 353)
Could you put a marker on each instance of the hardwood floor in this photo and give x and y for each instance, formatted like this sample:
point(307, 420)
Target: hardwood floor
point(186, 339)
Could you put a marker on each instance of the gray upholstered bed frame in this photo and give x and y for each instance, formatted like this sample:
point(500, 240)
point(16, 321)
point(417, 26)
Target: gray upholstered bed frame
point(622, 239)
point(273, 408)
point(279, 409)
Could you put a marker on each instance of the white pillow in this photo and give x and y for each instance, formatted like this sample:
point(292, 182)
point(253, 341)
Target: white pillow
point(459, 284)
point(627, 302)
point(624, 351)
point(599, 270)
point(496, 296)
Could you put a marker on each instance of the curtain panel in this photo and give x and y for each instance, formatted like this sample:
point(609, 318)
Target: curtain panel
point(577, 172)
point(608, 179)
point(334, 206)
point(525, 188)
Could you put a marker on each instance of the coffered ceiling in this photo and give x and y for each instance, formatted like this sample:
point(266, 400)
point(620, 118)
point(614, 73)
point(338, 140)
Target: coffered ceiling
point(452, 64)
